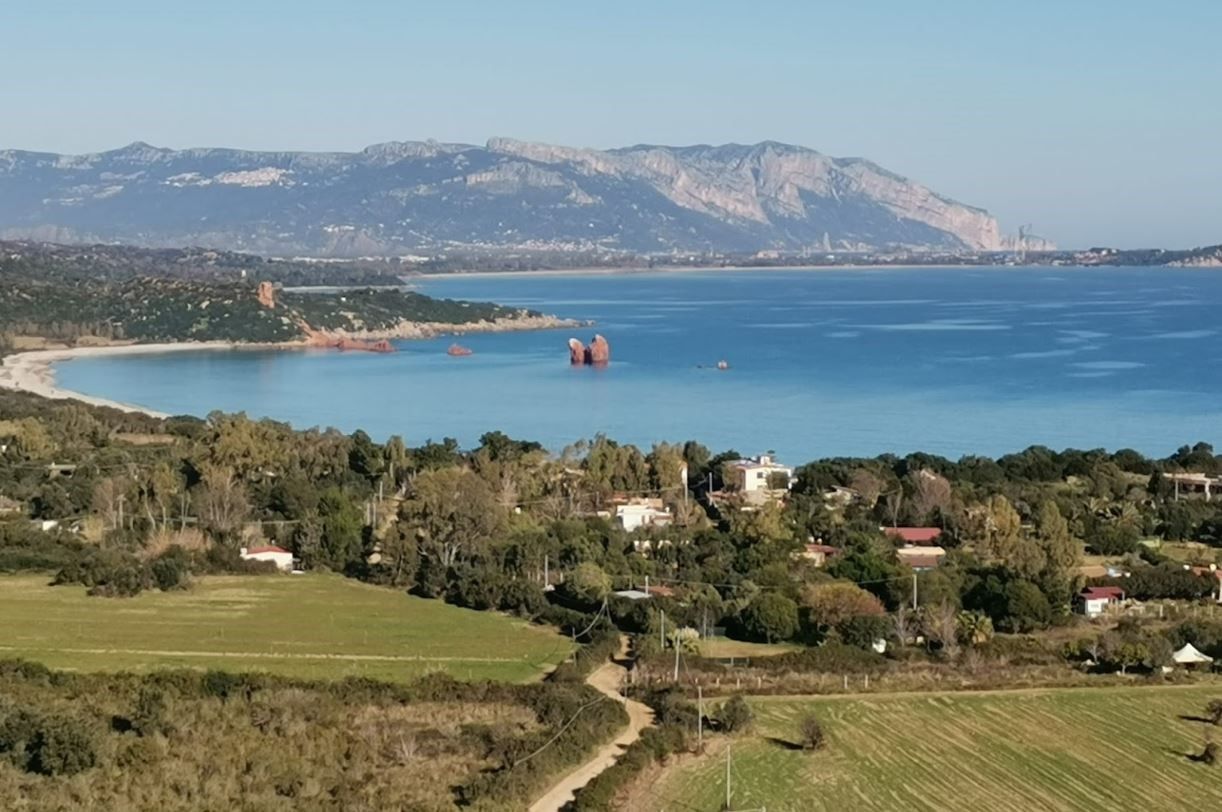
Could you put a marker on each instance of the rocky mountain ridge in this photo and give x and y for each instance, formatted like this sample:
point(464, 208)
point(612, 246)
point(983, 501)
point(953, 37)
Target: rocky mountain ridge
point(405, 197)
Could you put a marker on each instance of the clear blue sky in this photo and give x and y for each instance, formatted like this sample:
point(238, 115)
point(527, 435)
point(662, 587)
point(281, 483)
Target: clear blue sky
point(1100, 121)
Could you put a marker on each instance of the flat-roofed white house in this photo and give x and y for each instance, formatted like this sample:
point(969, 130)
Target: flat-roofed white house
point(762, 474)
point(638, 513)
point(282, 558)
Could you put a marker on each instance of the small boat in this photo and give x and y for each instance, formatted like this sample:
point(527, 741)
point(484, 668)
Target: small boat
point(458, 350)
point(723, 365)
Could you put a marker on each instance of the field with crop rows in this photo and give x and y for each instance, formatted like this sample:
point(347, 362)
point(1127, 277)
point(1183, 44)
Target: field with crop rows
point(1070, 749)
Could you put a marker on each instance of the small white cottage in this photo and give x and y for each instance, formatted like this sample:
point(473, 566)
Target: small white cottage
point(282, 558)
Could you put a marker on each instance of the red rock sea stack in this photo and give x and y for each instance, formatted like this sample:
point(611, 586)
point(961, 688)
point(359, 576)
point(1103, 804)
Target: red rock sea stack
point(577, 352)
point(597, 354)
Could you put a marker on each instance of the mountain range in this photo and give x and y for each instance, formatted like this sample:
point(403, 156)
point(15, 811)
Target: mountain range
point(426, 197)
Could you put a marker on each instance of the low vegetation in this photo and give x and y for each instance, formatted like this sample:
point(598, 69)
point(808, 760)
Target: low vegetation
point(189, 740)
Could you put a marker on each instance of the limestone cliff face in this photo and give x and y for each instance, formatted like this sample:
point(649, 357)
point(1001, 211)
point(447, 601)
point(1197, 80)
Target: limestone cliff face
point(767, 181)
point(407, 197)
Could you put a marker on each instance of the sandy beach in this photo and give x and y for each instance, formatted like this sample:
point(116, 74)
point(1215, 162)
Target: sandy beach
point(33, 371)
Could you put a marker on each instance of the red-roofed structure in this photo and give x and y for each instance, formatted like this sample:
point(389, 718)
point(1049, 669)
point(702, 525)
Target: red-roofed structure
point(1094, 600)
point(915, 535)
point(282, 558)
point(267, 548)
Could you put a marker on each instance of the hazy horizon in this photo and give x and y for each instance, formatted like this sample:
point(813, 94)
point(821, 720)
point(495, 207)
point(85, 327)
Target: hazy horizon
point(1096, 122)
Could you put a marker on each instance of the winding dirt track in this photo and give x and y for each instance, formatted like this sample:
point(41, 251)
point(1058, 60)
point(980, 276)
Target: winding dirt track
point(607, 680)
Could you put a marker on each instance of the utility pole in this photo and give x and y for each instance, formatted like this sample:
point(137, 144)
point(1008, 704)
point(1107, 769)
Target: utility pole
point(662, 632)
point(914, 592)
point(727, 776)
point(546, 575)
point(676, 660)
point(700, 719)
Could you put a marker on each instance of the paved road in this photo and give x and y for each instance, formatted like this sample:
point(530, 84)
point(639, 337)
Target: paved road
point(607, 680)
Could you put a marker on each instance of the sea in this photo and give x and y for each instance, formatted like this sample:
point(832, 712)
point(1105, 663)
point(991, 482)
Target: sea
point(821, 363)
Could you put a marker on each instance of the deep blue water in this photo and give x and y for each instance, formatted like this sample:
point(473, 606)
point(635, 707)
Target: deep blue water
point(824, 363)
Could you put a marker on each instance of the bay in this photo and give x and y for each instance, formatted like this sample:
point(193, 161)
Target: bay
point(822, 363)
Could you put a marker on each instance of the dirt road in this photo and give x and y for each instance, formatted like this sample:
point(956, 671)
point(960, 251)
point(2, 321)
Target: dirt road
point(607, 680)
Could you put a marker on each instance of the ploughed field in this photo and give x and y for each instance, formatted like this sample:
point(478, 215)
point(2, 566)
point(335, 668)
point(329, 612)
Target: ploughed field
point(308, 626)
point(1069, 749)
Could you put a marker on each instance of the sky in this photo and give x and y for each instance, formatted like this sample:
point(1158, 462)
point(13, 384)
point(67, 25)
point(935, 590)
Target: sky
point(1099, 122)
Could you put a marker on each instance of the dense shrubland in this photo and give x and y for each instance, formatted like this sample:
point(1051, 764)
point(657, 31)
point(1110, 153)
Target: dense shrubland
point(190, 740)
point(72, 295)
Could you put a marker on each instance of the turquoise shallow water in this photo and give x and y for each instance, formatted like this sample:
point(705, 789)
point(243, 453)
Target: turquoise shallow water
point(823, 363)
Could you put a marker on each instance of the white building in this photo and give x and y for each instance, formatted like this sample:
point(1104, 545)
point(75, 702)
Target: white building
point(1095, 600)
point(760, 475)
point(639, 513)
point(279, 556)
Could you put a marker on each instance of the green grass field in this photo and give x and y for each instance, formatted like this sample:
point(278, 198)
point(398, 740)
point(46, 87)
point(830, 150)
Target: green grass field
point(1084, 749)
point(314, 626)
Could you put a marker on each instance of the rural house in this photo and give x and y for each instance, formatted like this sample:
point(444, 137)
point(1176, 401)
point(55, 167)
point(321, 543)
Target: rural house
point(638, 513)
point(914, 535)
point(920, 558)
point(762, 475)
point(1093, 601)
point(282, 558)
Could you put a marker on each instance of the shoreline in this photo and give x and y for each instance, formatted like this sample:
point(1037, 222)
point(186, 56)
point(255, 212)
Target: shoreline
point(417, 276)
point(33, 371)
point(681, 269)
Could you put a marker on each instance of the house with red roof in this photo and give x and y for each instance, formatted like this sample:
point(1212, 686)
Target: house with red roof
point(282, 558)
point(1093, 601)
point(923, 536)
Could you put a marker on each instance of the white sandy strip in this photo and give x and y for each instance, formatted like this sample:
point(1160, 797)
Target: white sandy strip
point(33, 371)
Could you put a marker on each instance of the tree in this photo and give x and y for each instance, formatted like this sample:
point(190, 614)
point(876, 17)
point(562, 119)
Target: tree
point(221, 503)
point(735, 715)
point(1213, 711)
point(165, 486)
point(1026, 607)
point(342, 525)
point(365, 457)
point(1004, 541)
point(863, 631)
point(974, 628)
point(931, 494)
point(940, 624)
point(833, 603)
point(771, 617)
point(588, 582)
point(810, 733)
point(454, 514)
point(867, 485)
point(110, 500)
point(399, 560)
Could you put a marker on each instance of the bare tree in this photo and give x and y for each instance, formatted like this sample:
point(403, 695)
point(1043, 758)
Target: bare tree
point(941, 623)
point(109, 499)
point(867, 485)
point(930, 493)
point(894, 501)
point(221, 503)
point(905, 624)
